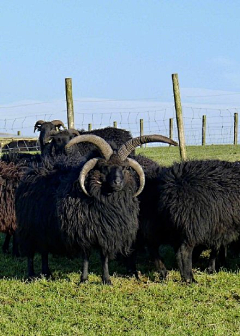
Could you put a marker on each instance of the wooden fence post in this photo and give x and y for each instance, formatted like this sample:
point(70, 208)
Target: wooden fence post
point(204, 122)
point(170, 128)
point(141, 129)
point(69, 99)
point(179, 117)
point(115, 124)
point(235, 128)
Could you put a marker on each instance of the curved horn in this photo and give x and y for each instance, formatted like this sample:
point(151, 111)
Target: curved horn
point(73, 131)
point(85, 170)
point(104, 147)
point(58, 123)
point(53, 132)
point(136, 166)
point(130, 145)
point(38, 123)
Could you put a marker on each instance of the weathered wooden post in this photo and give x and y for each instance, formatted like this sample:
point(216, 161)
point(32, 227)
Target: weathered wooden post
point(170, 128)
point(141, 129)
point(235, 128)
point(115, 124)
point(69, 100)
point(204, 123)
point(179, 117)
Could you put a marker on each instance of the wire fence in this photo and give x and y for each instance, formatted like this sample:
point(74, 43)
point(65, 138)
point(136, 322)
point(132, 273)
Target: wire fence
point(124, 114)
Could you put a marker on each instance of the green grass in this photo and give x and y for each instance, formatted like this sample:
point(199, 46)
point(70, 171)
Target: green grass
point(168, 155)
point(148, 307)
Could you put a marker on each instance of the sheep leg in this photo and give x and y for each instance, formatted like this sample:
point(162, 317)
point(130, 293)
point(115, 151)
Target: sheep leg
point(219, 254)
point(84, 275)
point(5, 246)
point(31, 273)
point(45, 268)
point(15, 250)
point(131, 266)
point(212, 261)
point(184, 260)
point(105, 272)
point(159, 264)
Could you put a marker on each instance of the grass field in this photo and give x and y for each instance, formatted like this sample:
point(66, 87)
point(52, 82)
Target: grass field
point(147, 307)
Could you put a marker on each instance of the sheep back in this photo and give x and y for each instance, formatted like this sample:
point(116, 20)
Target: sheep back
point(199, 202)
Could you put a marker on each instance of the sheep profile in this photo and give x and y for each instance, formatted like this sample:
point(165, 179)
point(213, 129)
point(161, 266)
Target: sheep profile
point(45, 128)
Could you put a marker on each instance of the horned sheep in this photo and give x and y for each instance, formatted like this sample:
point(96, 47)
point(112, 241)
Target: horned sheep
point(91, 203)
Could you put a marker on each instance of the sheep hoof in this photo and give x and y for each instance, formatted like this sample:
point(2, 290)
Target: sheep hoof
point(82, 281)
point(211, 270)
point(163, 274)
point(47, 276)
point(31, 278)
point(107, 282)
point(135, 273)
point(190, 281)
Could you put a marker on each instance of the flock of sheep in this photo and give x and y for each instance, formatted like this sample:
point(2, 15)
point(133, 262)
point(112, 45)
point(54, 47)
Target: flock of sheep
point(89, 190)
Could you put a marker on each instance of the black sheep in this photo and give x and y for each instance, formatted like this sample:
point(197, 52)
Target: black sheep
point(66, 209)
point(195, 203)
point(46, 128)
point(10, 176)
point(116, 137)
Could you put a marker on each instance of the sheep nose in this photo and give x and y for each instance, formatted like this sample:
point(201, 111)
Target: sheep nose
point(117, 181)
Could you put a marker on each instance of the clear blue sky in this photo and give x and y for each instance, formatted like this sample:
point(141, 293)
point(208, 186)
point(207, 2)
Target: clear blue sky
point(117, 49)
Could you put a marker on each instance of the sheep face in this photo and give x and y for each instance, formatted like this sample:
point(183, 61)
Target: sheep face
point(107, 178)
point(60, 139)
point(45, 130)
point(59, 142)
point(113, 177)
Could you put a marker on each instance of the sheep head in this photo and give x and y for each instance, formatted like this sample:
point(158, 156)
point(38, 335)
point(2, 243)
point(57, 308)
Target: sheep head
point(61, 138)
point(116, 163)
point(45, 128)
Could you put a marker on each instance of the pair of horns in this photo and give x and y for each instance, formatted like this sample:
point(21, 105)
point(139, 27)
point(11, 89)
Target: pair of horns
point(122, 153)
point(124, 150)
point(57, 123)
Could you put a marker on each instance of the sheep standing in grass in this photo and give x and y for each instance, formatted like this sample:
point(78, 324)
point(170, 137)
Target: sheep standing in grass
point(196, 203)
point(91, 203)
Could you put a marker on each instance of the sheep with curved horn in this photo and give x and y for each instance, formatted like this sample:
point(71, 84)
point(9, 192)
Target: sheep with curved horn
point(45, 128)
point(67, 209)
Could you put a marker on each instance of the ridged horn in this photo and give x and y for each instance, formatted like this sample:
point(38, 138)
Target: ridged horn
point(73, 131)
point(58, 123)
point(38, 123)
point(85, 170)
point(130, 145)
point(53, 132)
point(104, 147)
point(136, 166)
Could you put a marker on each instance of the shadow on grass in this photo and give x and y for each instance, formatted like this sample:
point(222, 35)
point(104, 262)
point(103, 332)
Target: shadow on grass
point(61, 267)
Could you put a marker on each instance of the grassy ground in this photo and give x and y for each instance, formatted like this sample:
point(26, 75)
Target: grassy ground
point(168, 155)
point(129, 307)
